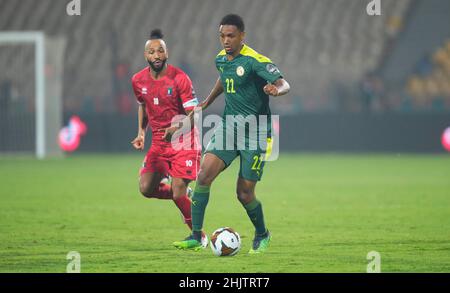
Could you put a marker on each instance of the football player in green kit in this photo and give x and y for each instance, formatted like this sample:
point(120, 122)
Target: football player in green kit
point(248, 79)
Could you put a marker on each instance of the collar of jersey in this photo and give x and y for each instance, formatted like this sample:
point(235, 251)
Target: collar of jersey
point(244, 50)
point(247, 51)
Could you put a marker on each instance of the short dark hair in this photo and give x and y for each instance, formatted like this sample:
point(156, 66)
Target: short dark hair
point(233, 19)
point(156, 34)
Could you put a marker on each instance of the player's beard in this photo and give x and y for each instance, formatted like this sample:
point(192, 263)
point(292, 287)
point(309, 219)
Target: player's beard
point(157, 69)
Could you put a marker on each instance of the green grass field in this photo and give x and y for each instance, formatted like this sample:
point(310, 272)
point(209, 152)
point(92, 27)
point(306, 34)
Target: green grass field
point(325, 212)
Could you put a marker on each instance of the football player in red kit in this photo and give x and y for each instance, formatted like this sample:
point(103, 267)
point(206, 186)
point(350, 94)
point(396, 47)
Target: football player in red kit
point(164, 91)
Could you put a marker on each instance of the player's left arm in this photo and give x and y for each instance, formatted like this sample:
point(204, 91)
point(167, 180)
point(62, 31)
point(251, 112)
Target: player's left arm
point(278, 88)
point(276, 84)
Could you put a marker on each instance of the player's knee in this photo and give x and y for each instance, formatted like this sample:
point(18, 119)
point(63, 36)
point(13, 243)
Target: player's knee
point(204, 179)
point(146, 189)
point(245, 195)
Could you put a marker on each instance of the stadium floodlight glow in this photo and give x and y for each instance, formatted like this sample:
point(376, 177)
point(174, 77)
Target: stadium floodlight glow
point(38, 39)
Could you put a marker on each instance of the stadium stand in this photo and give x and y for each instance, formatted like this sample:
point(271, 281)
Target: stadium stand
point(323, 47)
point(429, 87)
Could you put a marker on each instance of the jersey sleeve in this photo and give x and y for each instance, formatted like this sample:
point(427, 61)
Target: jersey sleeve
point(137, 91)
point(186, 92)
point(267, 71)
point(217, 66)
point(219, 61)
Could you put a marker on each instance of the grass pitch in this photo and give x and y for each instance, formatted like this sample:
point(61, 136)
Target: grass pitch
point(325, 212)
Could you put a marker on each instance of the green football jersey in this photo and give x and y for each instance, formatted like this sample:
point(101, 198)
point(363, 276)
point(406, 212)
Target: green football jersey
point(243, 80)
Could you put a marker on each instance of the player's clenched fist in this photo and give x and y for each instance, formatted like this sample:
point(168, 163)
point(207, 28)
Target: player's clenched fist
point(139, 141)
point(271, 90)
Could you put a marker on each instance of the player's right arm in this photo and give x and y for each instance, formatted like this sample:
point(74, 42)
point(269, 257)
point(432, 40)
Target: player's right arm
point(139, 142)
point(215, 92)
point(189, 120)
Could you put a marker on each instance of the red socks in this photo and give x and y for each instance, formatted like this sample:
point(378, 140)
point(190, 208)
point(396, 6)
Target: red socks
point(184, 205)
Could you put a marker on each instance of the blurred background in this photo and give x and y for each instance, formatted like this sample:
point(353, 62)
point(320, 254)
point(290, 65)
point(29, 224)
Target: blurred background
point(359, 83)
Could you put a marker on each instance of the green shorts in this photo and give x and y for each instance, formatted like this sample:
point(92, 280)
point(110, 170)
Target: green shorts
point(251, 161)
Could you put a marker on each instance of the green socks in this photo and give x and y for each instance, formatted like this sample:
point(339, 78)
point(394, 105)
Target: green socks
point(198, 206)
point(255, 213)
point(200, 201)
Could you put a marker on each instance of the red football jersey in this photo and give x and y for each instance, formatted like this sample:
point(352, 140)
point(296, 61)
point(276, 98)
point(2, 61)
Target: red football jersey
point(165, 98)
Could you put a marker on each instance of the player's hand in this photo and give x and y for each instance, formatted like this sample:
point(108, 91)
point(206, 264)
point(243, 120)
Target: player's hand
point(139, 141)
point(271, 90)
point(168, 133)
point(202, 106)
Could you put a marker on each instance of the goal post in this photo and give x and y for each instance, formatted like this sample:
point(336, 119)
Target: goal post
point(48, 64)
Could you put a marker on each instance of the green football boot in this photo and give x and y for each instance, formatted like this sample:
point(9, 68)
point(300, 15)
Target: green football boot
point(191, 243)
point(260, 243)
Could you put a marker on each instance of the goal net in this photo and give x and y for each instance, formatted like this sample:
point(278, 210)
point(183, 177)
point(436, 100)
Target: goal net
point(31, 79)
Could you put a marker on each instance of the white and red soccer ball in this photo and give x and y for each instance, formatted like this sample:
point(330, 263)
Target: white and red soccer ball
point(225, 242)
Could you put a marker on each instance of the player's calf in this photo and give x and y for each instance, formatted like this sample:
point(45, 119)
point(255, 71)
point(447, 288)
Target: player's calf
point(179, 188)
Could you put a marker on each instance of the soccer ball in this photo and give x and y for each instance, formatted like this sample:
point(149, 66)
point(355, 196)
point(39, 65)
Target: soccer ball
point(225, 242)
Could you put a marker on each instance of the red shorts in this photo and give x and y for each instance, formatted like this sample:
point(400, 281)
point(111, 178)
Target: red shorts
point(167, 161)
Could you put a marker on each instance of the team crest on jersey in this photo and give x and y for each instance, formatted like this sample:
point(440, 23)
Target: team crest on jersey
point(144, 90)
point(240, 71)
point(169, 91)
point(272, 69)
